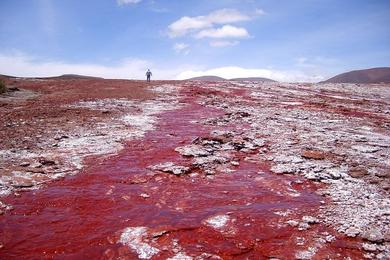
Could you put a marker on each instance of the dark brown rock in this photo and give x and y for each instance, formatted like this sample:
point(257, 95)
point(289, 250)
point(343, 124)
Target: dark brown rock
point(20, 182)
point(312, 154)
point(47, 162)
point(358, 172)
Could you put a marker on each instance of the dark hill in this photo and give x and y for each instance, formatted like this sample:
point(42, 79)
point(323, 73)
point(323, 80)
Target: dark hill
point(208, 78)
point(71, 76)
point(259, 79)
point(374, 75)
point(65, 76)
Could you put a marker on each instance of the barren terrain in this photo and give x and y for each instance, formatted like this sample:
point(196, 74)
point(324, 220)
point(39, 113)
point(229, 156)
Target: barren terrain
point(107, 169)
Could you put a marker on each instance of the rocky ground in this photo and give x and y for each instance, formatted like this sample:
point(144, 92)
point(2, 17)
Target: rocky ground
point(335, 134)
point(194, 170)
point(49, 126)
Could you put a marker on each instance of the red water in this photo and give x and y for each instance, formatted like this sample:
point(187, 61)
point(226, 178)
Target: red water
point(82, 217)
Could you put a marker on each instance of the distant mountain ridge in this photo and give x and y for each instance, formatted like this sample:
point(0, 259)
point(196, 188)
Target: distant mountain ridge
point(208, 78)
point(64, 76)
point(254, 79)
point(6, 76)
point(71, 76)
point(365, 76)
point(216, 78)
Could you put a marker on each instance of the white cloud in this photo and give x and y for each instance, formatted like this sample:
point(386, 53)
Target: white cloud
point(239, 72)
point(223, 43)
point(226, 31)
point(181, 48)
point(21, 65)
point(187, 24)
point(227, 16)
point(126, 2)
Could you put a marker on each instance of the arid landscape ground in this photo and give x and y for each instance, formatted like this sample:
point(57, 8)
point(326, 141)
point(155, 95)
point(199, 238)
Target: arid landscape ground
point(119, 169)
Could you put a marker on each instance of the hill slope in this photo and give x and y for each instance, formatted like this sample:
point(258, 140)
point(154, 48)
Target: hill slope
point(254, 79)
point(72, 76)
point(64, 76)
point(374, 75)
point(207, 78)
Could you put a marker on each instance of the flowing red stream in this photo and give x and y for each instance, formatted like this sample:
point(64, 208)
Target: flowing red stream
point(82, 217)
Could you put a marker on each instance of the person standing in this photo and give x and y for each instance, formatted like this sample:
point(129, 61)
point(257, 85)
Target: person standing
point(148, 75)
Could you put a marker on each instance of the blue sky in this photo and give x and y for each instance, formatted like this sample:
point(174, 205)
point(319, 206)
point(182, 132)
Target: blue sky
point(288, 40)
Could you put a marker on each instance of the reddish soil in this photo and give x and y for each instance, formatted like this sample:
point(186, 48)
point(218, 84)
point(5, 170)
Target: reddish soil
point(34, 117)
point(83, 216)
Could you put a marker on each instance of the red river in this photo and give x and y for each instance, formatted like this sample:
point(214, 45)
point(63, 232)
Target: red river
point(83, 216)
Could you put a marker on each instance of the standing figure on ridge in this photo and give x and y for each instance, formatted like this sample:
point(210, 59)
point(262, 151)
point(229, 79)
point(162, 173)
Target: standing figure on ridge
point(148, 75)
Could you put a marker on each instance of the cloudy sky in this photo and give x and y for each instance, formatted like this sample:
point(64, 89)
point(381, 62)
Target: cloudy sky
point(286, 40)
